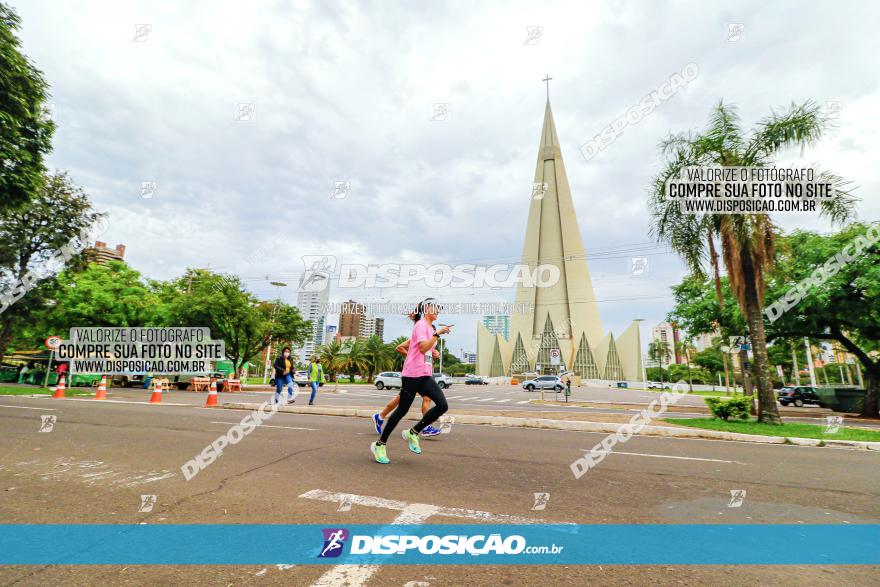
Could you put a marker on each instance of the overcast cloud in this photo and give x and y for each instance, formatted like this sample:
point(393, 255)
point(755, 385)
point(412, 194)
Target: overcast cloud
point(344, 92)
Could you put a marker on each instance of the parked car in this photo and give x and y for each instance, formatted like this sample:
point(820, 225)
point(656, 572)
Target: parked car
point(544, 382)
point(656, 385)
point(389, 379)
point(476, 380)
point(442, 380)
point(799, 395)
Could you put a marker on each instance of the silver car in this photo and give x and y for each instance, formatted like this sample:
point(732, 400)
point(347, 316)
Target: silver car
point(544, 382)
point(389, 379)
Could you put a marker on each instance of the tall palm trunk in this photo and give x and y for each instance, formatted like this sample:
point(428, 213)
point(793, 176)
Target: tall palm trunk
point(716, 276)
point(767, 411)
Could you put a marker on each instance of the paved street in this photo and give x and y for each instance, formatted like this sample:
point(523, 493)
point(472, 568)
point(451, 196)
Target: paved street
point(101, 457)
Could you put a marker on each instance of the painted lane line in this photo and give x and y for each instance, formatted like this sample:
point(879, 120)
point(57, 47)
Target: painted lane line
point(639, 454)
point(501, 401)
point(486, 399)
point(391, 504)
point(357, 575)
point(525, 401)
point(453, 396)
point(29, 408)
point(268, 426)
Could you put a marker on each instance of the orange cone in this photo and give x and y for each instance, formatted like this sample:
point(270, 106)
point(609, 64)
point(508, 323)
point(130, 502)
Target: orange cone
point(212, 395)
point(102, 388)
point(156, 398)
point(59, 389)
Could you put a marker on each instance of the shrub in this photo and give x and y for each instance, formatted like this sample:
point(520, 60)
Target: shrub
point(731, 408)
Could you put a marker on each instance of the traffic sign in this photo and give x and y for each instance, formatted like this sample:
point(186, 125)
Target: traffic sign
point(53, 342)
point(554, 356)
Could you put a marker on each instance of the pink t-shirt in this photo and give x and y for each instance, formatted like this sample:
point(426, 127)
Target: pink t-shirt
point(419, 364)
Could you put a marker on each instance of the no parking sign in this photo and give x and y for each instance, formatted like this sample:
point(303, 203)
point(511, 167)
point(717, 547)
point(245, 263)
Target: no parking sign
point(554, 356)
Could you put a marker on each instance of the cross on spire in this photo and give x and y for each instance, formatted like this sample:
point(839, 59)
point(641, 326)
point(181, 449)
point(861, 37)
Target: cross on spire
point(547, 79)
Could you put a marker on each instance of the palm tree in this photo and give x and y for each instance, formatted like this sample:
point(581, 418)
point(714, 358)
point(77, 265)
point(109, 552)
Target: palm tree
point(396, 358)
point(330, 355)
point(353, 359)
point(684, 347)
point(747, 240)
point(658, 350)
point(377, 355)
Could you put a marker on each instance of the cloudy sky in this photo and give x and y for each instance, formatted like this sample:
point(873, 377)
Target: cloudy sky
point(344, 92)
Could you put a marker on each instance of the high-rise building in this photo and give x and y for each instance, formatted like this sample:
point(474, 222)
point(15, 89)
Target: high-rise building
point(498, 325)
point(667, 334)
point(350, 319)
point(704, 341)
point(562, 329)
point(371, 325)
point(312, 303)
point(468, 357)
point(329, 333)
point(101, 253)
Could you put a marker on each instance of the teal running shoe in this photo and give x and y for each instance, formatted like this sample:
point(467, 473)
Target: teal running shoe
point(413, 441)
point(378, 451)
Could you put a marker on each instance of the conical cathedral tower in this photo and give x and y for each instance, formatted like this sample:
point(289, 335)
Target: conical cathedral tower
point(566, 316)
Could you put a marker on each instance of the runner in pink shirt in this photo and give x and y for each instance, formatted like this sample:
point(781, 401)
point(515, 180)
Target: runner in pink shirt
point(417, 377)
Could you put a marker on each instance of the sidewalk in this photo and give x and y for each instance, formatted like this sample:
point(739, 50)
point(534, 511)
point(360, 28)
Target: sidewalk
point(572, 422)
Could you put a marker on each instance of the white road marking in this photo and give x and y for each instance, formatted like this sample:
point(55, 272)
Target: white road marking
point(28, 408)
point(501, 401)
point(391, 504)
point(525, 401)
point(453, 396)
point(486, 399)
point(410, 513)
point(268, 426)
point(639, 454)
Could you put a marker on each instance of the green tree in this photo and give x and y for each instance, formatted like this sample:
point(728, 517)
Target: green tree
point(330, 356)
point(35, 242)
point(844, 306)
point(658, 351)
point(99, 295)
point(684, 347)
point(220, 302)
point(25, 129)
point(397, 358)
point(353, 359)
point(747, 240)
point(377, 356)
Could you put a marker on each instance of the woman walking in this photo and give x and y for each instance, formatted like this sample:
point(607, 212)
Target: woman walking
point(417, 377)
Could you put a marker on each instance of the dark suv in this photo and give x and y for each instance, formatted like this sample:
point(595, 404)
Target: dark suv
point(799, 395)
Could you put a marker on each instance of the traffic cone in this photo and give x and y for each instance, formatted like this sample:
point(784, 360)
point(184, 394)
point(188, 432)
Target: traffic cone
point(156, 398)
point(102, 388)
point(212, 395)
point(59, 389)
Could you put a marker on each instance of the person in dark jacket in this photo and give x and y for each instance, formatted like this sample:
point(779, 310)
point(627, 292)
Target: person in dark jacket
point(284, 374)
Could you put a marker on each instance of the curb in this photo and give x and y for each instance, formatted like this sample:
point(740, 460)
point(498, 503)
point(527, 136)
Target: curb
point(580, 426)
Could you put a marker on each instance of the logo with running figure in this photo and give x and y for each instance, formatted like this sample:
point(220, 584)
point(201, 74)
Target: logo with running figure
point(334, 540)
point(317, 270)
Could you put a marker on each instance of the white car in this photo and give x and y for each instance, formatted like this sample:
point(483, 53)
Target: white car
point(656, 385)
point(389, 379)
point(443, 381)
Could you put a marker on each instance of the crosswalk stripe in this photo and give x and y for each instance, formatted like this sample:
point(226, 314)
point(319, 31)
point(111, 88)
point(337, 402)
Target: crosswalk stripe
point(501, 401)
point(486, 399)
point(523, 402)
point(453, 397)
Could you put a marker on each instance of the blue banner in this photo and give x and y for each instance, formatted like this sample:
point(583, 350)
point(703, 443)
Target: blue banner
point(454, 544)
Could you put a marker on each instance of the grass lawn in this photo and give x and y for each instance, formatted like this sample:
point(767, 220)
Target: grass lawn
point(789, 430)
point(29, 390)
point(719, 393)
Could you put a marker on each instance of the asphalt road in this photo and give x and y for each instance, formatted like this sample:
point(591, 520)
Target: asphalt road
point(100, 457)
